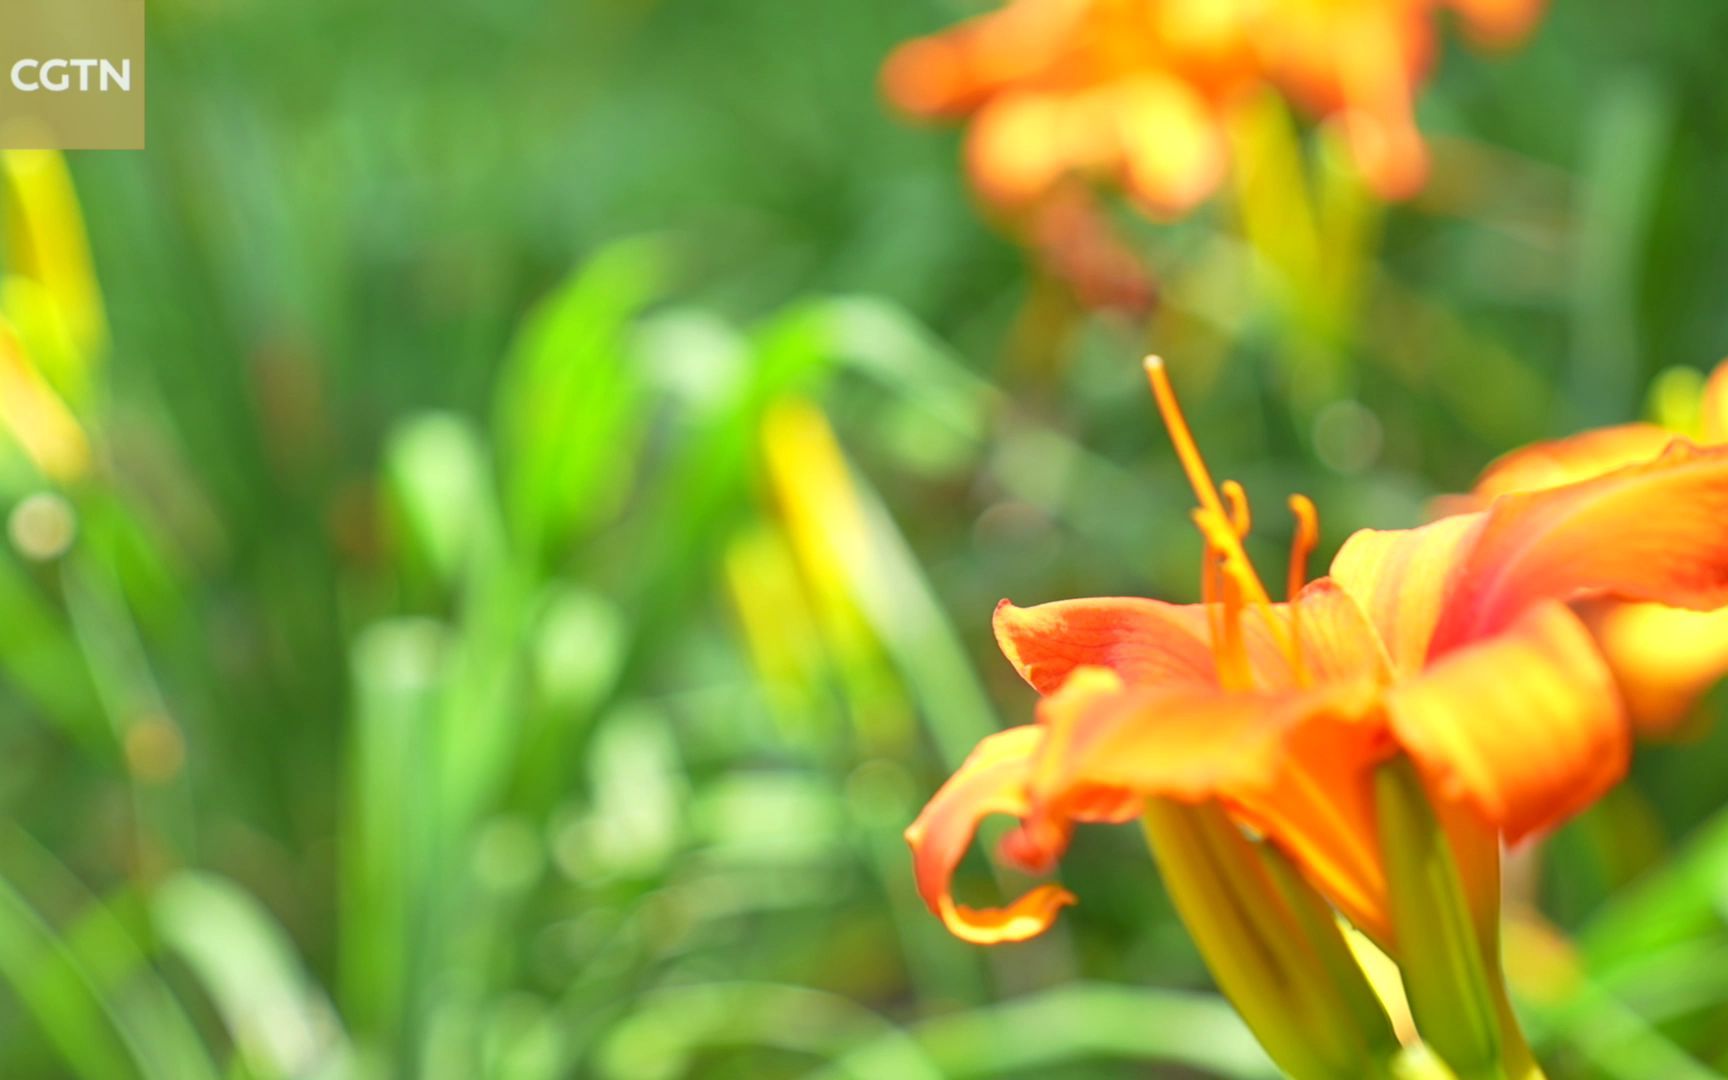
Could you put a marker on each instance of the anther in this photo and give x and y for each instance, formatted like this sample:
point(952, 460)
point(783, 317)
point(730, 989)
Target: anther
point(1237, 500)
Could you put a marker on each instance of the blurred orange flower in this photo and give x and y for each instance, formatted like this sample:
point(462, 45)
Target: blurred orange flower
point(1452, 643)
point(1138, 92)
point(1663, 659)
point(1129, 90)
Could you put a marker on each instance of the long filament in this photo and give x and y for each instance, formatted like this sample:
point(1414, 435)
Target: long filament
point(1301, 546)
point(1224, 519)
point(1210, 597)
point(1188, 453)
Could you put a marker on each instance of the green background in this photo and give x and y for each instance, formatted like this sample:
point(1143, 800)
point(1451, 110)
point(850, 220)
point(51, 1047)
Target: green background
point(452, 345)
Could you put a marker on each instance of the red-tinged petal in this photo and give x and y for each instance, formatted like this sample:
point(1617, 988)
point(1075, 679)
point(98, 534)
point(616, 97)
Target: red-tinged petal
point(1401, 578)
point(991, 781)
point(1649, 532)
point(1713, 406)
point(1145, 642)
point(1526, 726)
point(1664, 660)
point(1567, 461)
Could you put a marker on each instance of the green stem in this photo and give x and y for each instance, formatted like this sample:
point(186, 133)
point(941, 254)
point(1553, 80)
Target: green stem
point(1267, 951)
point(1439, 950)
point(1517, 1060)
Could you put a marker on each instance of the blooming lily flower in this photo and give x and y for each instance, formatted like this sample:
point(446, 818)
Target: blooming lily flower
point(1138, 92)
point(1131, 91)
point(1663, 659)
point(1452, 644)
point(1360, 63)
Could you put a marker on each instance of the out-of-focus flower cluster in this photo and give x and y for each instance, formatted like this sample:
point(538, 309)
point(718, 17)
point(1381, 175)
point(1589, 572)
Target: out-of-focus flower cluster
point(1139, 93)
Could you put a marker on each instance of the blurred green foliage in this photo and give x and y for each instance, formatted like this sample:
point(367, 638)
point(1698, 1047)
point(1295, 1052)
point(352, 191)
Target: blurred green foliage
point(554, 465)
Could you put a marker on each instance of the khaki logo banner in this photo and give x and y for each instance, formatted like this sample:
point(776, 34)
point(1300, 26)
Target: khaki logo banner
point(72, 74)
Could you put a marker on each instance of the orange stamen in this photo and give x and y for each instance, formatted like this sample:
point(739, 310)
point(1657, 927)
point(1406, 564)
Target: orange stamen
point(1224, 519)
point(1301, 546)
point(1210, 599)
point(1222, 594)
point(1188, 453)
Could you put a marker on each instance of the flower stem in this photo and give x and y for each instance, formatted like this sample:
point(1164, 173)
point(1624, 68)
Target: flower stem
point(1438, 948)
point(1300, 994)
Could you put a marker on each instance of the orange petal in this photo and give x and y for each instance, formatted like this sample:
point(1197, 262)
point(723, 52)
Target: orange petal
point(1663, 659)
point(1498, 23)
point(1291, 764)
point(929, 78)
point(1525, 726)
point(1185, 743)
point(1400, 578)
point(1714, 406)
point(1567, 461)
point(1388, 150)
point(954, 72)
point(1015, 151)
point(1318, 806)
point(1338, 641)
point(1172, 150)
point(1145, 642)
point(1025, 918)
point(1648, 532)
point(1055, 799)
point(1149, 643)
point(992, 780)
point(1376, 61)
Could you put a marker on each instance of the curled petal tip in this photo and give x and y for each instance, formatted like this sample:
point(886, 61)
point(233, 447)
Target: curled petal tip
point(1025, 918)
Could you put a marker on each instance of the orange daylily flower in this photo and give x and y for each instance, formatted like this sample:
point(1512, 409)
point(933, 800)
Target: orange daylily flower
point(1127, 90)
point(1452, 643)
point(1360, 63)
point(1138, 92)
point(1664, 659)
